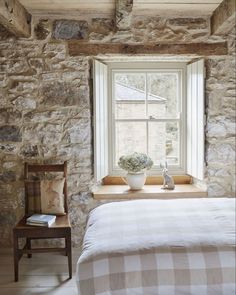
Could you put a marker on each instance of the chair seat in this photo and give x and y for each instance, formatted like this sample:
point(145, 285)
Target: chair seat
point(61, 222)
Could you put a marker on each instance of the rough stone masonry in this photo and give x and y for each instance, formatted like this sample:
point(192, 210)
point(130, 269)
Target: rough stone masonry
point(46, 111)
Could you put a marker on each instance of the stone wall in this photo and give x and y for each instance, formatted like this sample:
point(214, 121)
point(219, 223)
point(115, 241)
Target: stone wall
point(46, 111)
point(220, 129)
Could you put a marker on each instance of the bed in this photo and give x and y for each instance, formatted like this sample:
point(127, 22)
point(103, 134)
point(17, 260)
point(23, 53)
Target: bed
point(159, 247)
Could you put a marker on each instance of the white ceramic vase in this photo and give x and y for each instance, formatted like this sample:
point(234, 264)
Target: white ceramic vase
point(136, 181)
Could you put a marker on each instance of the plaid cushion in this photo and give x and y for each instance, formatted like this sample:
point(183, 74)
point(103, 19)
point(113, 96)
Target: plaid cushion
point(47, 199)
point(34, 196)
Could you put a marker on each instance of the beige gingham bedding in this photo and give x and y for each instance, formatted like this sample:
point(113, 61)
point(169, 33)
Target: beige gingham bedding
point(159, 247)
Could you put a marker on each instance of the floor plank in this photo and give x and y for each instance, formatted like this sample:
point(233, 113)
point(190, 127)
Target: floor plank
point(43, 274)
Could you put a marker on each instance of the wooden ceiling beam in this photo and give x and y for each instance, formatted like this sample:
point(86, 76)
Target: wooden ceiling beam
point(203, 49)
point(15, 18)
point(223, 18)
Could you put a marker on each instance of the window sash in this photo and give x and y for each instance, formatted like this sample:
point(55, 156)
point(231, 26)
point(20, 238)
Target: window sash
point(155, 167)
point(178, 68)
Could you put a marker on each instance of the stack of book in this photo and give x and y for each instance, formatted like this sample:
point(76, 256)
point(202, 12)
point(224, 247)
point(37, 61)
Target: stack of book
point(41, 220)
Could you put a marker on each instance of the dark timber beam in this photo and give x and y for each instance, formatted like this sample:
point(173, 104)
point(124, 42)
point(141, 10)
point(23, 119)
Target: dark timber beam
point(123, 14)
point(223, 18)
point(79, 48)
point(15, 18)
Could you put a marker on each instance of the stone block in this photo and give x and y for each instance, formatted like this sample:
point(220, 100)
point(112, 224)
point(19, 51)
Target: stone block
point(70, 29)
point(6, 235)
point(124, 14)
point(76, 64)
point(190, 23)
point(38, 64)
point(24, 103)
point(9, 165)
point(55, 51)
point(19, 87)
point(9, 115)
point(8, 176)
point(6, 218)
point(19, 67)
point(8, 148)
point(103, 26)
point(64, 94)
point(219, 171)
point(180, 30)
point(3, 66)
point(10, 133)
point(5, 34)
point(51, 152)
point(221, 152)
point(220, 127)
point(29, 151)
point(81, 77)
point(44, 116)
point(3, 80)
point(45, 133)
point(216, 190)
point(42, 29)
point(78, 131)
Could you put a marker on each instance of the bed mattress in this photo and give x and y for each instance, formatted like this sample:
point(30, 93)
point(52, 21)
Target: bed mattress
point(159, 247)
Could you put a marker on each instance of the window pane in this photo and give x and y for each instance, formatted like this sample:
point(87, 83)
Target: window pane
point(164, 144)
point(130, 96)
point(162, 95)
point(130, 137)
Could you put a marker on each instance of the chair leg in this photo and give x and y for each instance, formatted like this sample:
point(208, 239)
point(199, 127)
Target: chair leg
point(28, 246)
point(69, 255)
point(16, 256)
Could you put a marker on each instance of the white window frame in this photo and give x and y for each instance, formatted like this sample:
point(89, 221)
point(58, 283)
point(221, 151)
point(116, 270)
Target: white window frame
point(193, 87)
point(134, 67)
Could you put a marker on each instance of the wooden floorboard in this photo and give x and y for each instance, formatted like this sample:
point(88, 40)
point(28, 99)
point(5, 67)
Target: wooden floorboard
point(43, 274)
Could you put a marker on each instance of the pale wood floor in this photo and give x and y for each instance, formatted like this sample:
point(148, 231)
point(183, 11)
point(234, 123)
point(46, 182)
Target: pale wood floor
point(43, 274)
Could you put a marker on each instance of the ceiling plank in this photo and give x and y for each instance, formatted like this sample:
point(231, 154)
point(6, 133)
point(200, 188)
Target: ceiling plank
point(203, 49)
point(176, 6)
point(223, 18)
point(15, 18)
point(70, 6)
point(178, 1)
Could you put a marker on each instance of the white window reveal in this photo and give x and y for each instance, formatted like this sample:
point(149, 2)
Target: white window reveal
point(143, 107)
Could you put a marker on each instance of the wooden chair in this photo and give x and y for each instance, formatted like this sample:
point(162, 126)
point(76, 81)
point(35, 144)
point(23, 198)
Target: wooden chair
point(60, 229)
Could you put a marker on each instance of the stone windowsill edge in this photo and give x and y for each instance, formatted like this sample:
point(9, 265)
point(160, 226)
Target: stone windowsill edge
point(122, 192)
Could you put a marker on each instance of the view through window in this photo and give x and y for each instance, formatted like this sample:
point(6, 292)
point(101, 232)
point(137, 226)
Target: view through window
point(147, 114)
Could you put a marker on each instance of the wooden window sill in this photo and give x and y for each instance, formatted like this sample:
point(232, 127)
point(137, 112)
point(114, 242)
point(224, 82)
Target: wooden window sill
point(122, 192)
point(151, 180)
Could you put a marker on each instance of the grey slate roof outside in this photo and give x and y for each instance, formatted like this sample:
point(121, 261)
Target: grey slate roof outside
point(127, 93)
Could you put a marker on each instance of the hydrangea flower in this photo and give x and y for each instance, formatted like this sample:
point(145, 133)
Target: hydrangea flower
point(135, 162)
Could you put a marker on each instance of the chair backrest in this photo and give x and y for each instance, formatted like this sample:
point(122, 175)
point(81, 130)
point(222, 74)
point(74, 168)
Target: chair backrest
point(36, 168)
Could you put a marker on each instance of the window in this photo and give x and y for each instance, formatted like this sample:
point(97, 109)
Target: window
point(151, 108)
point(146, 107)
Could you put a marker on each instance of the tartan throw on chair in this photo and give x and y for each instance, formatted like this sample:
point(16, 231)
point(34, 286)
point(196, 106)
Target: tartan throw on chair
point(34, 196)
